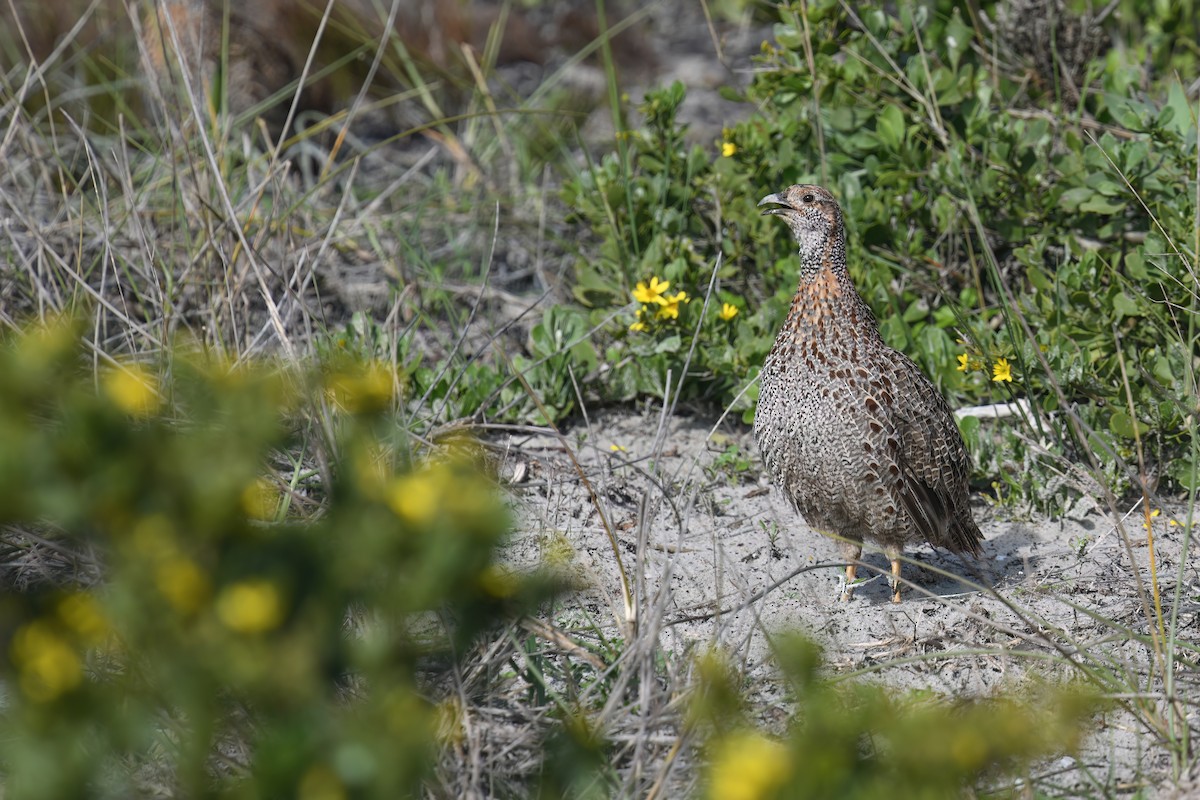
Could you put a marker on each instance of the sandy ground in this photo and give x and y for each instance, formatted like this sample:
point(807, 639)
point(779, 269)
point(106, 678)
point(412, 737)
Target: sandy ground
point(718, 557)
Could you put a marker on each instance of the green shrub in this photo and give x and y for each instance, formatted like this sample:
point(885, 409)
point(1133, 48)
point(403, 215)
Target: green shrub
point(252, 634)
point(1012, 247)
point(859, 740)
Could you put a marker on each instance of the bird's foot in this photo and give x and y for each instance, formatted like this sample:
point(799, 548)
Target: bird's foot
point(894, 579)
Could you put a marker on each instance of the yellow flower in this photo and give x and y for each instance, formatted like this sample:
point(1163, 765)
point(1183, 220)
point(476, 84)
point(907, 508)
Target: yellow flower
point(728, 149)
point(963, 362)
point(366, 389)
point(616, 448)
point(250, 607)
point(652, 293)
point(1002, 370)
point(638, 326)
point(133, 389)
point(728, 311)
point(416, 497)
point(748, 766)
point(48, 665)
point(260, 500)
point(498, 582)
point(670, 306)
point(183, 583)
point(1153, 514)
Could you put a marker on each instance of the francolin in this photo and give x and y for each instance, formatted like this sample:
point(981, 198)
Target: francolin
point(850, 429)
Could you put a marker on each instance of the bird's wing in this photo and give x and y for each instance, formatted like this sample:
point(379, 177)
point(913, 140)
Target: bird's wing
point(931, 456)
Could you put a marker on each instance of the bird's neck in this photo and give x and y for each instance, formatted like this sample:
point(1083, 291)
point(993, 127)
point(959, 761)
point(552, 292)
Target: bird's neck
point(825, 297)
point(821, 250)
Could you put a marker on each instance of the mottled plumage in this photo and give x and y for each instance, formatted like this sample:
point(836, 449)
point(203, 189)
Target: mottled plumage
point(854, 434)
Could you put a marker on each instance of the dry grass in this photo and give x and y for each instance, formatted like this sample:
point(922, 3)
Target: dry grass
point(209, 234)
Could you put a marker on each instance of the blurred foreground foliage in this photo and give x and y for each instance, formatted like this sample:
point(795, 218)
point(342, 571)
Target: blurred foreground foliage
point(251, 635)
point(860, 741)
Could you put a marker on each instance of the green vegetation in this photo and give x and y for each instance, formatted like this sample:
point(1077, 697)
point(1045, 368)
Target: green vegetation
point(861, 741)
point(257, 552)
point(984, 225)
point(276, 613)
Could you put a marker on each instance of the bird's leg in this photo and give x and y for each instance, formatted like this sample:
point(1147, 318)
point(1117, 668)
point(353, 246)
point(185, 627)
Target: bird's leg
point(894, 580)
point(851, 551)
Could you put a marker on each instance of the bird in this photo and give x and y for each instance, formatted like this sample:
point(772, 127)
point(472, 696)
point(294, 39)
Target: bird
point(850, 429)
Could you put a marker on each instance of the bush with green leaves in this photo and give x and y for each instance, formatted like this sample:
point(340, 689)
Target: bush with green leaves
point(859, 740)
point(1013, 247)
point(255, 624)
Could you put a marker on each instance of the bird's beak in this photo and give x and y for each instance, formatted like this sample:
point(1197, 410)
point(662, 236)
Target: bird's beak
point(777, 200)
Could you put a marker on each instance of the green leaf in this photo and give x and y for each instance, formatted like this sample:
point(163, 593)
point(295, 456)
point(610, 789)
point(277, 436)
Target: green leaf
point(671, 344)
point(1100, 205)
point(957, 39)
point(1178, 113)
point(1039, 280)
point(1135, 266)
point(1162, 371)
point(1126, 306)
point(1072, 199)
point(890, 127)
point(1122, 425)
point(915, 312)
point(1185, 472)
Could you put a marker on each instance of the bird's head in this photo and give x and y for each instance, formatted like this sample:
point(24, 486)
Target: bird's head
point(810, 211)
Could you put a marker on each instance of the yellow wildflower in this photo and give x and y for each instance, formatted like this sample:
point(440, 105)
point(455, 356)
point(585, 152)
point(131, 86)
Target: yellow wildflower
point(964, 362)
point(366, 389)
point(1153, 515)
point(498, 582)
point(133, 389)
point(416, 497)
point(1002, 370)
point(748, 766)
point(728, 149)
point(48, 665)
point(670, 306)
point(728, 311)
point(616, 448)
point(260, 500)
point(638, 326)
point(250, 607)
point(652, 293)
point(183, 583)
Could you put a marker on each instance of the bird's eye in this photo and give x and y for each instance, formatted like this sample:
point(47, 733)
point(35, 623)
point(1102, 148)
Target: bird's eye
point(808, 198)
